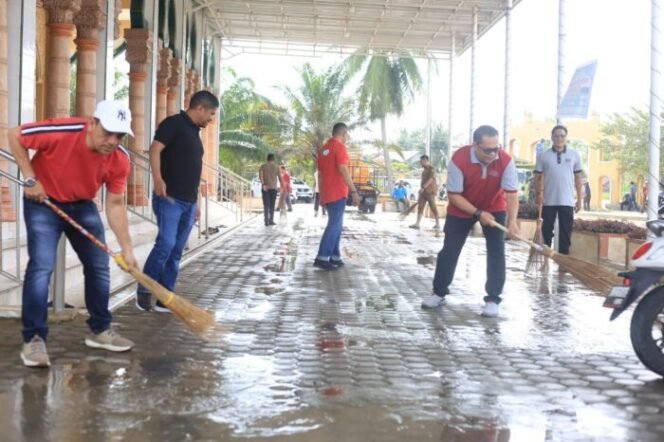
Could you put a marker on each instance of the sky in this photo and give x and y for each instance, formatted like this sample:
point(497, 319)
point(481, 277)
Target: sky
point(616, 33)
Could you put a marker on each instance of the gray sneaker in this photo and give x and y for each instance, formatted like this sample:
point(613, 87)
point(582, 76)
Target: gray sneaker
point(108, 340)
point(34, 353)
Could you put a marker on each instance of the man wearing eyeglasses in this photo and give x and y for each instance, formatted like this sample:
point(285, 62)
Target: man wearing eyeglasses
point(558, 172)
point(482, 185)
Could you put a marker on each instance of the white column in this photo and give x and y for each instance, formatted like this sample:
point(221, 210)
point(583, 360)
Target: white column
point(473, 77)
point(105, 66)
point(21, 61)
point(562, 42)
point(655, 108)
point(508, 74)
point(428, 134)
point(450, 104)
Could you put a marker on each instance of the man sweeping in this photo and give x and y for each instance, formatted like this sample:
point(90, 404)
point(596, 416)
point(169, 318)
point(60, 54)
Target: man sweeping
point(482, 185)
point(74, 158)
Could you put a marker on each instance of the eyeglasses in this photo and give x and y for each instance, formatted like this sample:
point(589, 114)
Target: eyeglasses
point(490, 150)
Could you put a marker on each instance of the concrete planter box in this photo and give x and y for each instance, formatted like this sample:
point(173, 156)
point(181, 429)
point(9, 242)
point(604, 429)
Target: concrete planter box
point(528, 227)
point(585, 246)
point(612, 246)
point(630, 247)
point(442, 210)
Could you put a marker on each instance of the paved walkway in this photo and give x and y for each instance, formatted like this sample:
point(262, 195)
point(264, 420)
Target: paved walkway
point(345, 355)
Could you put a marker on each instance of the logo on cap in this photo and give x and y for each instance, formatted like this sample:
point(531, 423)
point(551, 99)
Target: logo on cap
point(122, 115)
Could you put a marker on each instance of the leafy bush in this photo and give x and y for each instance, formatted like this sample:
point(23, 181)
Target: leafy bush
point(528, 211)
point(610, 226)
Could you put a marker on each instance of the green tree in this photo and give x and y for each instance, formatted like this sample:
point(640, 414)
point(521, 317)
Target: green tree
point(416, 140)
point(625, 139)
point(388, 82)
point(317, 104)
point(250, 125)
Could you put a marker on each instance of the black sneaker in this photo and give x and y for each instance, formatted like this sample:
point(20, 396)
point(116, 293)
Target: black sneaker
point(161, 308)
point(143, 301)
point(272, 223)
point(324, 265)
point(337, 262)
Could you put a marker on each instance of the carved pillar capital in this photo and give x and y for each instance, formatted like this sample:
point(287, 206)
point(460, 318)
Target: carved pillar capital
point(139, 48)
point(174, 79)
point(90, 19)
point(165, 55)
point(61, 11)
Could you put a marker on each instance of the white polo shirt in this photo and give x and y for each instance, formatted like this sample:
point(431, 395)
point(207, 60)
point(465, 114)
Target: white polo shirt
point(558, 169)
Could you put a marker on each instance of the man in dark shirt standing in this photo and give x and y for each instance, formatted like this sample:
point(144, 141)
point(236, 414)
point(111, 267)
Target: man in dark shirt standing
point(176, 158)
point(428, 192)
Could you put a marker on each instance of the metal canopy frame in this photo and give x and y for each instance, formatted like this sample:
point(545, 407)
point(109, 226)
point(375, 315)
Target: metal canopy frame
point(312, 27)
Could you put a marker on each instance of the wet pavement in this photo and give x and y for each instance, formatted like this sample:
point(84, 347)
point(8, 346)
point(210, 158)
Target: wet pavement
point(343, 356)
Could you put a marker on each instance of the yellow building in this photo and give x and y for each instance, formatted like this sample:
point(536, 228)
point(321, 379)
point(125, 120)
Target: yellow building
point(603, 174)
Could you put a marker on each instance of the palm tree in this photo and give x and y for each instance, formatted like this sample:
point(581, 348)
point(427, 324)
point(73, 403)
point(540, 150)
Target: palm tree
point(250, 124)
point(388, 82)
point(317, 105)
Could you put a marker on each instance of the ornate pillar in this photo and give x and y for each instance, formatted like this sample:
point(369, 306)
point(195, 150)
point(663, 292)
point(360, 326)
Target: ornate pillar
point(188, 87)
point(61, 32)
point(163, 75)
point(7, 212)
point(139, 44)
point(174, 87)
point(89, 21)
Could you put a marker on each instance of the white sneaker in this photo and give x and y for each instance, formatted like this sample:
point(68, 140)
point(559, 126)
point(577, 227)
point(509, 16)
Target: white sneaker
point(490, 310)
point(433, 301)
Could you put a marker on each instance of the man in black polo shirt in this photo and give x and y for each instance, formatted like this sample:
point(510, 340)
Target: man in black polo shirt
point(176, 158)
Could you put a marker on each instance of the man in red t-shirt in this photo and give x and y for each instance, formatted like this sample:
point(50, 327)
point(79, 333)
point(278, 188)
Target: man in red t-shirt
point(482, 185)
point(335, 181)
point(75, 157)
point(285, 190)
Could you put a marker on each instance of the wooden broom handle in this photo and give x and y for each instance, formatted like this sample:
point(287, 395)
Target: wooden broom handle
point(536, 246)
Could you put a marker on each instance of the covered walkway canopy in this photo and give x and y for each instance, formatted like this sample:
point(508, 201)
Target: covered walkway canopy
point(307, 27)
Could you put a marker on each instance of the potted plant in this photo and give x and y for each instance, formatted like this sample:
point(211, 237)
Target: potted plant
point(602, 239)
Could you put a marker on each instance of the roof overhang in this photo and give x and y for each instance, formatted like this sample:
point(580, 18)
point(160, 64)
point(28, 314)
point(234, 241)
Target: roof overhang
point(311, 27)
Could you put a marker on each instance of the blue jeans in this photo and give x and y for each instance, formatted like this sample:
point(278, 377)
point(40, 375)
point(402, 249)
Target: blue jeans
point(329, 243)
point(175, 218)
point(44, 228)
point(456, 231)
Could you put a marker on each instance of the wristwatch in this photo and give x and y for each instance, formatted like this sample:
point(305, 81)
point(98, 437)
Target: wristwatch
point(477, 213)
point(30, 181)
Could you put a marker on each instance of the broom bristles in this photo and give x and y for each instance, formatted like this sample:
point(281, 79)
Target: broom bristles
point(595, 277)
point(195, 318)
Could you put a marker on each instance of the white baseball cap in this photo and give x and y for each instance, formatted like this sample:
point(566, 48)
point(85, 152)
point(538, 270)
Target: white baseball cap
point(114, 116)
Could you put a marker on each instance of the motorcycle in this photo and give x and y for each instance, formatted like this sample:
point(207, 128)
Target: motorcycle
point(644, 285)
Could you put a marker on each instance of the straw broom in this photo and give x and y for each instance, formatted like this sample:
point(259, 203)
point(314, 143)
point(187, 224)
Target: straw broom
point(535, 259)
point(198, 320)
point(593, 276)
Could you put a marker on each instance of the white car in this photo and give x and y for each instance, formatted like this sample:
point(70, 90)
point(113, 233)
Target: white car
point(301, 190)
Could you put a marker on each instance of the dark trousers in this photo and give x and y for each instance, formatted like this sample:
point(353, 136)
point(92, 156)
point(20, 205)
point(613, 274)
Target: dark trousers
point(269, 201)
point(565, 222)
point(317, 203)
point(456, 231)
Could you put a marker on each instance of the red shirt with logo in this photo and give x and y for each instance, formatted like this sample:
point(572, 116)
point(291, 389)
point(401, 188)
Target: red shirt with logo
point(286, 182)
point(332, 185)
point(483, 185)
point(64, 164)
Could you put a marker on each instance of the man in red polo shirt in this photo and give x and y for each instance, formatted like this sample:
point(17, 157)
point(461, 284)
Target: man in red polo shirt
point(482, 186)
point(335, 181)
point(74, 158)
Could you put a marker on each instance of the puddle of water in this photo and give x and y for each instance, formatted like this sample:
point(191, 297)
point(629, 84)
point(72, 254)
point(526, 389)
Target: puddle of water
point(426, 260)
point(285, 264)
point(269, 290)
